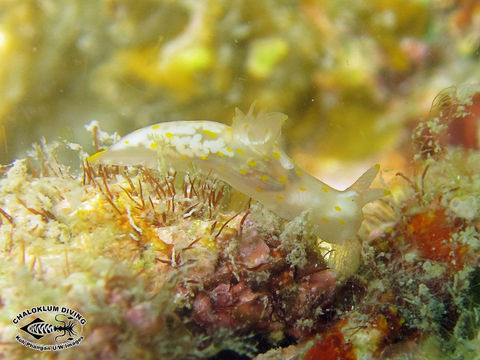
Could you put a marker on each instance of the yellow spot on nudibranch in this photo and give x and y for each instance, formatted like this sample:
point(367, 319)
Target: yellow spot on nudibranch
point(252, 163)
point(209, 133)
point(223, 167)
point(301, 188)
point(280, 197)
point(264, 177)
point(243, 172)
point(229, 149)
point(183, 157)
point(338, 208)
point(276, 155)
point(153, 145)
point(220, 154)
point(204, 157)
point(341, 222)
point(169, 135)
point(240, 152)
point(266, 158)
point(299, 173)
point(324, 189)
point(324, 219)
point(259, 190)
point(155, 127)
point(126, 142)
point(283, 179)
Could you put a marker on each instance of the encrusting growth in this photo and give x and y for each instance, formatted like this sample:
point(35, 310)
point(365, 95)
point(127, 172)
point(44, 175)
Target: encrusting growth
point(179, 266)
point(248, 156)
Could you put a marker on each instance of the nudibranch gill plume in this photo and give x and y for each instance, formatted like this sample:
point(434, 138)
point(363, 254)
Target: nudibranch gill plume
point(248, 156)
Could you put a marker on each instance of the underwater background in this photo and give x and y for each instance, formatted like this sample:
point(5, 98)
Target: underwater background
point(168, 264)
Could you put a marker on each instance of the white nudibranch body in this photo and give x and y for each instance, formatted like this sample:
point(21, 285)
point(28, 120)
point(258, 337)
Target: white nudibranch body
point(248, 157)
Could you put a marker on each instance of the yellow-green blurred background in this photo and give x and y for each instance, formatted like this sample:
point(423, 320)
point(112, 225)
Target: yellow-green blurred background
point(353, 75)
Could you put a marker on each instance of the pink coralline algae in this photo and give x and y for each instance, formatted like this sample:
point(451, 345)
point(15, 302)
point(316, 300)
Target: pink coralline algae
point(178, 265)
point(254, 288)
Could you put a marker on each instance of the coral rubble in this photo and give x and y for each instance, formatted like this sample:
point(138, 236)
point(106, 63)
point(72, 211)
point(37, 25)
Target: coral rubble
point(337, 66)
point(180, 265)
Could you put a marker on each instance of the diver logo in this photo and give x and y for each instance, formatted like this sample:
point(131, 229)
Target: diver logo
point(49, 328)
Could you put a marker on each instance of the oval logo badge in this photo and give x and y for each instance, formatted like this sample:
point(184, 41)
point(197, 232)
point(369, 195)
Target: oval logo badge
point(49, 328)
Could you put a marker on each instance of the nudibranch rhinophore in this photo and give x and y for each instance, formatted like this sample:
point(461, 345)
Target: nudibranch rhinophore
point(247, 156)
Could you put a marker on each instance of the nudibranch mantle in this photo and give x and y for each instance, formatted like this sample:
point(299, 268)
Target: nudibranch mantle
point(247, 156)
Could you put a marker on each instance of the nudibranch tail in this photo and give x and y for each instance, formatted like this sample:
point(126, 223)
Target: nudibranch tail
point(249, 158)
point(94, 158)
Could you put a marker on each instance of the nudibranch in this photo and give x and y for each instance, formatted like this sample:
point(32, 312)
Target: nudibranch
point(248, 156)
